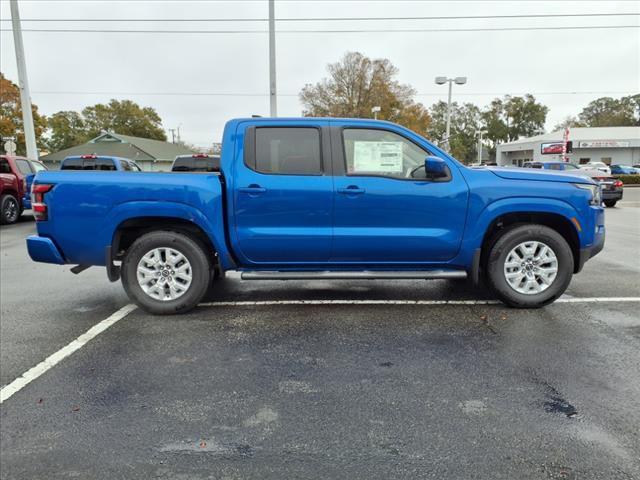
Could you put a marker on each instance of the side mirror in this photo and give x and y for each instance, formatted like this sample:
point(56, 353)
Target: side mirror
point(436, 168)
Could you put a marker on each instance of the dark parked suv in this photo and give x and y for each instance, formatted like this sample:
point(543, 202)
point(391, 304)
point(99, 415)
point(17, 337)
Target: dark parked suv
point(198, 162)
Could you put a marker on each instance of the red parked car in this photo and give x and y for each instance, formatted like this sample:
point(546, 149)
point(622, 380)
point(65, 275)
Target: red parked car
point(17, 174)
point(11, 192)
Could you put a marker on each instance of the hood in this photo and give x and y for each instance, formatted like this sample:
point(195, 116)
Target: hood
point(538, 175)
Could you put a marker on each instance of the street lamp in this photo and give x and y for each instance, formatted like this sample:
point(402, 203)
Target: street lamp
point(479, 134)
point(375, 111)
point(442, 81)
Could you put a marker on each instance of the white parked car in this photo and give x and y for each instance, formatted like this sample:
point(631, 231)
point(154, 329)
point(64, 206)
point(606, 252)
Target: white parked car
point(603, 167)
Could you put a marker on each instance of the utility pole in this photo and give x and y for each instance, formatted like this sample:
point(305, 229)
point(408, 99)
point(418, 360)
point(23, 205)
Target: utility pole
point(272, 61)
point(442, 81)
point(23, 84)
point(479, 133)
point(173, 135)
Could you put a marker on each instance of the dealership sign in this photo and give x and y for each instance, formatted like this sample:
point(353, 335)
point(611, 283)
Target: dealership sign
point(603, 144)
point(551, 148)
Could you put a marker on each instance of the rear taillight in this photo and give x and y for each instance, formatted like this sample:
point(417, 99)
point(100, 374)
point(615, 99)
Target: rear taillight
point(618, 183)
point(38, 206)
point(200, 155)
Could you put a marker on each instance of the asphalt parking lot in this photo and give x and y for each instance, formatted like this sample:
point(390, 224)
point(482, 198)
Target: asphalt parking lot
point(369, 386)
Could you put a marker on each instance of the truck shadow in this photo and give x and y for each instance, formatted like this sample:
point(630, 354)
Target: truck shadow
point(231, 288)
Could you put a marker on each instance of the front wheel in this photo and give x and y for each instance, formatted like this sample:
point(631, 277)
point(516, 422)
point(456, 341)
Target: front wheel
point(166, 272)
point(529, 266)
point(610, 203)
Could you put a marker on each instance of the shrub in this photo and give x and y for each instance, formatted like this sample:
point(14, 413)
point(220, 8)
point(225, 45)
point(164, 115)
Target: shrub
point(629, 179)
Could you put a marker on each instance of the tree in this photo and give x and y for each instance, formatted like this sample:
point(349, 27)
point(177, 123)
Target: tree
point(124, 117)
point(611, 112)
point(356, 84)
point(569, 122)
point(466, 120)
point(510, 118)
point(67, 129)
point(11, 124)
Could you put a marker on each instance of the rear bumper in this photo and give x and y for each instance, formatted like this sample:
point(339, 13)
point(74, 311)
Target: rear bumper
point(42, 249)
point(612, 194)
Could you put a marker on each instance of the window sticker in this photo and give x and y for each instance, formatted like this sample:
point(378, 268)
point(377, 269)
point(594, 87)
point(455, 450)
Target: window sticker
point(377, 156)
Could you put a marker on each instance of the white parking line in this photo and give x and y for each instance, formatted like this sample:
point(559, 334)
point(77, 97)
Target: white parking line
point(405, 302)
point(51, 361)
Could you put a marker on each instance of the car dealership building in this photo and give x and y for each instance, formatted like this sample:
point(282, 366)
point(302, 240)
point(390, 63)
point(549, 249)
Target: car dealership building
point(611, 145)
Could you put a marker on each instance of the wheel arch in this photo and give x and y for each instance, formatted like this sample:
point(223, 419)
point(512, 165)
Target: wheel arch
point(557, 222)
point(134, 218)
point(132, 228)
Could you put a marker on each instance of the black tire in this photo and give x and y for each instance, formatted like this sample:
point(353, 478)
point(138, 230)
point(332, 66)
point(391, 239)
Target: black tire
point(191, 249)
point(509, 239)
point(610, 203)
point(9, 209)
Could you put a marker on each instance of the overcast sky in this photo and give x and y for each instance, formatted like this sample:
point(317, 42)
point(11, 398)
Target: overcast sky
point(68, 71)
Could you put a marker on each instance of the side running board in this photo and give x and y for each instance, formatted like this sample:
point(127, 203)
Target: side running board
point(347, 275)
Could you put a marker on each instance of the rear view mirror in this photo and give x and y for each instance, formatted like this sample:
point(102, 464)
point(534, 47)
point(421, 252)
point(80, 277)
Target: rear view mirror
point(436, 168)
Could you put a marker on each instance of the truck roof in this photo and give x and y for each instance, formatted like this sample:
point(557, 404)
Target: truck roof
point(310, 120)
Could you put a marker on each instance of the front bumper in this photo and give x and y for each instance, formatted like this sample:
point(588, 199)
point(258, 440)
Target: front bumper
point(593, 249)
point(42, 249)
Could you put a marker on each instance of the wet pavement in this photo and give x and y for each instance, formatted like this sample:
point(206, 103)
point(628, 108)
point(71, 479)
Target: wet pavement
point(325, 391)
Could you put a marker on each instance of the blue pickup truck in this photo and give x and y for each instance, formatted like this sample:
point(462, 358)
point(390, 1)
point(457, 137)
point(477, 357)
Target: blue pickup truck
point(321, 198)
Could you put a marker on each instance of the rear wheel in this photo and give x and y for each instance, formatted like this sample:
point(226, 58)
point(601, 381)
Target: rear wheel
point(529, 266)
point(610, 203)
point(9, 209)
point(166, 272)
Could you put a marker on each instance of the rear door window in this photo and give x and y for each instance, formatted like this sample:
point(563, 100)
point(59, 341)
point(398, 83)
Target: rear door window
point(288, 151)
point(24, 167)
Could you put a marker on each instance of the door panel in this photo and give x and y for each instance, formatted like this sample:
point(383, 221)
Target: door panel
point(385, 217)
point(283, 215)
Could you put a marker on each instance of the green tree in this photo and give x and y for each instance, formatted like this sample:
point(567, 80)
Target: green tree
point(66, 129)
point(124, 117)
point(356, 84)
point(611, 112)
point(570, 122)
point(510, 118)
point(11, 124)
point(466, 120)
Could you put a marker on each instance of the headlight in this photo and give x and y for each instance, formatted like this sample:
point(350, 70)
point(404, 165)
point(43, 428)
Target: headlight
point(596, 192)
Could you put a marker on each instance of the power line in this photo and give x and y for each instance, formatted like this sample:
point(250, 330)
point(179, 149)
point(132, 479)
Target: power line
point(434, 30)
point(330, 19)
point(230, 94)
